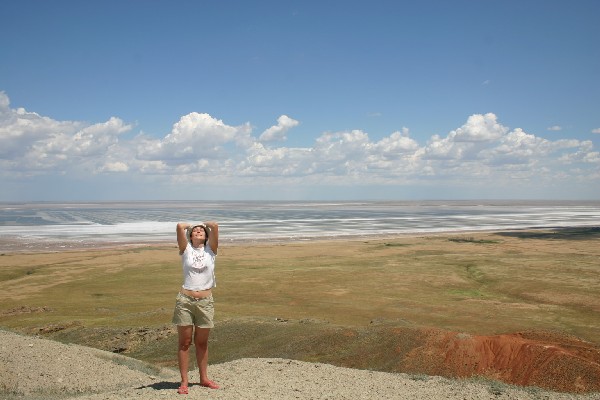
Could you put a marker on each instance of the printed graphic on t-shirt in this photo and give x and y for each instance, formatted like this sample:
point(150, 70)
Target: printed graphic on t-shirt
point(198, 259)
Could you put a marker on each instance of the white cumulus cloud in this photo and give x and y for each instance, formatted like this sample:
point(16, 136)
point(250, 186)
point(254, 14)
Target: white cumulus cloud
point(195, 135)
point(117, 166)
point(202, 148)
point(30, 143)
point(277, 132)
point(478, 128)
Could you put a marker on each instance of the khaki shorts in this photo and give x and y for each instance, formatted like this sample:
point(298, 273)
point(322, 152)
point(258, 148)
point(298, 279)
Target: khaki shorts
point(191, 311)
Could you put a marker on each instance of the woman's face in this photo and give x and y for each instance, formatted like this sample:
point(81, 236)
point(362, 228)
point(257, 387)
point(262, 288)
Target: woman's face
point(198, 235)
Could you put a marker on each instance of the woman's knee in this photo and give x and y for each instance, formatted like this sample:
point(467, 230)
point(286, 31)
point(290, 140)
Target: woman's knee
point(185, 344)
point(185, 338)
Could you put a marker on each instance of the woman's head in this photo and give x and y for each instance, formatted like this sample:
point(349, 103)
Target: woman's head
point(198, 234)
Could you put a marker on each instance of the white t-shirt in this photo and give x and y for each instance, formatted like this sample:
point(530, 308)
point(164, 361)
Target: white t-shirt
point(198, 268)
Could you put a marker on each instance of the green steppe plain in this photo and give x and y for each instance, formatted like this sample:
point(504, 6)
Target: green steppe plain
point(329, 301)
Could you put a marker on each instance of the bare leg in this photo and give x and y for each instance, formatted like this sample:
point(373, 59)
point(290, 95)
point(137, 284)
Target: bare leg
point(201, 343)
point(183, 352)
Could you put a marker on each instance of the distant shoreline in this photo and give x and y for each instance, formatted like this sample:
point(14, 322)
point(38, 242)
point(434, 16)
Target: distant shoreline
point(54, 246)
point(70, 226)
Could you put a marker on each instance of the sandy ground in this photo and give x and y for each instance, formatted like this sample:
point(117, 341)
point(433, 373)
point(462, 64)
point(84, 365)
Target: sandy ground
point(36, 368)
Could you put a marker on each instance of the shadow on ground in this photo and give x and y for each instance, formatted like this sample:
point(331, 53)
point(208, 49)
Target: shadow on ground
point(162, 386)
point(556, 233)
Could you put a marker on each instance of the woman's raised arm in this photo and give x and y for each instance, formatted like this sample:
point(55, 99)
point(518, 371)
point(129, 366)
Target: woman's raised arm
point(182, 240)
point(213, 235)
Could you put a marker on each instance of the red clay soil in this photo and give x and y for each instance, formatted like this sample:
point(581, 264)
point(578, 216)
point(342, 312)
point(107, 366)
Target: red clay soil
point(542, 359)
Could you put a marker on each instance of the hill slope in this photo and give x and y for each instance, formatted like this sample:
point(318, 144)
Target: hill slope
point(36, 368)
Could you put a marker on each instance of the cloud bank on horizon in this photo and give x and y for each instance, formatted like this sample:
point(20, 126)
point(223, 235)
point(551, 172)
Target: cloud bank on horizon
point(205, 157)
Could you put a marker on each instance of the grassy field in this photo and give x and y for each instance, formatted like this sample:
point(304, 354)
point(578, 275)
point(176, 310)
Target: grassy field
point(283, 299)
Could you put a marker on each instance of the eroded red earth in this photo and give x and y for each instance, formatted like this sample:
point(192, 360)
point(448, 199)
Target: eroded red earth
point(540, 359)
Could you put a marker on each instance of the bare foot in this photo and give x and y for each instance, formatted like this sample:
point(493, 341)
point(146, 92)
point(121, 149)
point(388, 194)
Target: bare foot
point(210, 384)
point(183, 389)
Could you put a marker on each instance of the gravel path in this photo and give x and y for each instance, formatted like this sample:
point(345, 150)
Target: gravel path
point(36, 368)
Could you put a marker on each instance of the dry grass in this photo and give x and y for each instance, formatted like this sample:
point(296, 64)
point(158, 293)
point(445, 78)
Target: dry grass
point(483, 283)
point(494, 285)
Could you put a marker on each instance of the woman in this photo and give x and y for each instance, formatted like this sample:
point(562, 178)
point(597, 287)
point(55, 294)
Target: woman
point(194, 305)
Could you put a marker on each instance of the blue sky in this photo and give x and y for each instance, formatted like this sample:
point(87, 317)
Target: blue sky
point(243, 100)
